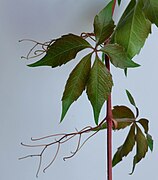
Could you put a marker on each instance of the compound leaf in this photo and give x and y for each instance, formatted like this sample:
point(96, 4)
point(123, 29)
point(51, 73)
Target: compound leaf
point(103, 24)
point(141, 149)
point(62, 51)
point(99, 86)
point(126, 148)
point(151, 11)
point(118, 56)
point(132, 29)
point(76, 83)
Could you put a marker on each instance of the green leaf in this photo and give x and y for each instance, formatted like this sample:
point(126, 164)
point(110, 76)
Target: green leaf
point(103, 57)
point(76, 83)
point(132, 101)
point(151, 11)
point(62, 51)
point(119, 2)
point(126, 71)
point(130, 98)
point(99, 86)
point(145, 125)
point(132, 29)
point(123, 115)
point(103, 24)
point(142, 148)
point(126, 148)
point(118, 56)
point(150, 142)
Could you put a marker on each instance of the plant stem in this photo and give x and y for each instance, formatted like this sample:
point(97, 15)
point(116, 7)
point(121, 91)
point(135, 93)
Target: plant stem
point(109, 121)
point(113, 8)
point(109, 129)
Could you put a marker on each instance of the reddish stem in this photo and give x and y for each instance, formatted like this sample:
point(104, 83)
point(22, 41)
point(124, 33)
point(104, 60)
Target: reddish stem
point(109, 129)
point(113, 8)
point(109, 121)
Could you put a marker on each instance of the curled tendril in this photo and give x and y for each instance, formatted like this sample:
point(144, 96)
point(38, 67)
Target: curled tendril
point(39, 48)
point(59, 140)
point(73, 153)
point(34, 51)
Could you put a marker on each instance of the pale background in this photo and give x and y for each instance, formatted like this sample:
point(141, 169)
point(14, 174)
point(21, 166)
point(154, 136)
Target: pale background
point(30, 97)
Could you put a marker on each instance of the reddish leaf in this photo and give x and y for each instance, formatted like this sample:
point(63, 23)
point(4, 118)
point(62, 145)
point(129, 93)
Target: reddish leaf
point(123, 115)
point(142, 148)
point(145, 125)
point(126, 148)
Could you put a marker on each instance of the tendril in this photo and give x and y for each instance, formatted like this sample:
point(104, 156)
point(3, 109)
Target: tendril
point(60, 139)
point(34, 51)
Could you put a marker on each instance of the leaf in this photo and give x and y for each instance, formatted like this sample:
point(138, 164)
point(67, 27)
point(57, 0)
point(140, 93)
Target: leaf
point(99, 86)
point(126, 148)
point(76, 83)
point(126, 72)
point(130, 98)
point(118, 56)
point(132, 29)
point(145, 125)
point(142, 148)
point(132, 101)
point(103, 24)
point(123, 115)
point(119, 2)
point(62, 51)
point(150, 142)
point(103, 57)
point(122, 112)
point(151, 11)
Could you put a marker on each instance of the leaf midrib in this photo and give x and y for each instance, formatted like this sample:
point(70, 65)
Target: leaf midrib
point(70, 50)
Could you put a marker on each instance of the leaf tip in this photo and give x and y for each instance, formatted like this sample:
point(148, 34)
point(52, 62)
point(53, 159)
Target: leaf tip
point(30, 65)
point(126, 72)
point(33, 64)
point(96, 117)
point(150, 142)
point(62, 115)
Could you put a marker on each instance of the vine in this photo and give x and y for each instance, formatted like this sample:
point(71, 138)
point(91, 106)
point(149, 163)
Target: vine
point(118, 45)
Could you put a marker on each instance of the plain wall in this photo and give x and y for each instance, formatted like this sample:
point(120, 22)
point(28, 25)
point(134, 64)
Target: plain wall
point(30, 103)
